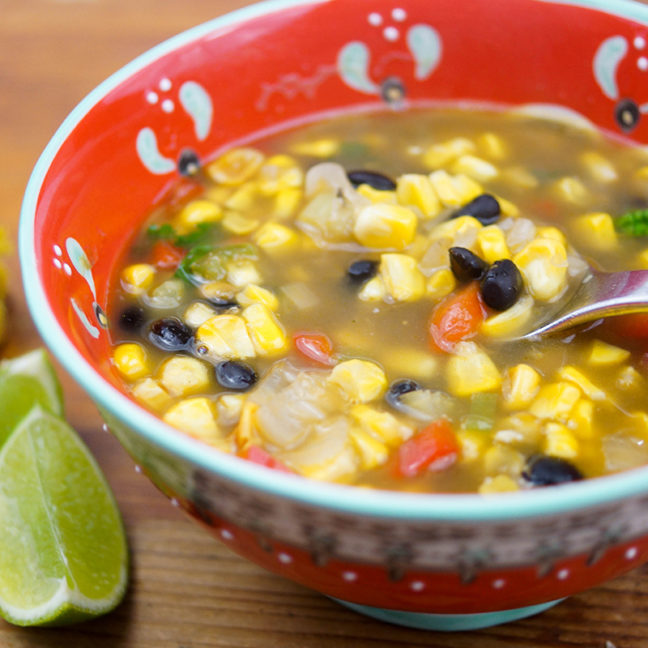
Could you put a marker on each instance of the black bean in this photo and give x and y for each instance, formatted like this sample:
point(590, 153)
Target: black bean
point(131, 319)
point(542, 470)
point(398, 388)
point(361, 271)
point(372, 178)
point(466, 265)
point(234, 374)
point(502, 285)
point(170, 334)
point(627, 114)
point(188, 163)
point(484, 208)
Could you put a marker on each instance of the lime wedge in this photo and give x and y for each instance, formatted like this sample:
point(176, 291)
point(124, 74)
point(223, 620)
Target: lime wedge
point(25, 382)
point(63, 553)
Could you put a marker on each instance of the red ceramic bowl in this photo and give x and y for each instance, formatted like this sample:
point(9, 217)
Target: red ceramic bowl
point(437, 561)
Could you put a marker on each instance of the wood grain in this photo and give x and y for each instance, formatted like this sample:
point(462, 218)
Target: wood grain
point(187, 590)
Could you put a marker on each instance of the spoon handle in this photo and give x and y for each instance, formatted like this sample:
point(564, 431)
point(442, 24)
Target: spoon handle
point(600, 294)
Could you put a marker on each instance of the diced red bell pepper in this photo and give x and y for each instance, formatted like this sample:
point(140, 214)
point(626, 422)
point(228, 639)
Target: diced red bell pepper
point(457, 318)
point(316, 347)
point(258, 455)
point(633, 327)
point(166, 256)
point(434, 448)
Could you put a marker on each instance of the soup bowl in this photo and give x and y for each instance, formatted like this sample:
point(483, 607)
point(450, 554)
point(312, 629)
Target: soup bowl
point(431, 561)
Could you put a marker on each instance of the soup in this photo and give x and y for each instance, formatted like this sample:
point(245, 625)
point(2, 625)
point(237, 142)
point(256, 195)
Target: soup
point(339, 301)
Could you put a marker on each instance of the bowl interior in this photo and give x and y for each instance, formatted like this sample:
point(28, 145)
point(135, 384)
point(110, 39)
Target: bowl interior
point(277, 64)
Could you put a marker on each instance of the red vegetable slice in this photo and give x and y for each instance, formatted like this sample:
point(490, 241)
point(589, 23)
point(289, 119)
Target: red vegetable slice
point(434, 448)
point(316, 347)
point(258, 455)
point(457, 318)
point(166, 256)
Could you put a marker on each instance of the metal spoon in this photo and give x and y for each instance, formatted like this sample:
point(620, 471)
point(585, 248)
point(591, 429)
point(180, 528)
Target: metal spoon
point(600, 294)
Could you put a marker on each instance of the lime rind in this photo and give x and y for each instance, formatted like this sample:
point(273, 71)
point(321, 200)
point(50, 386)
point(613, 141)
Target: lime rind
point(63, 551)
point(36, 364)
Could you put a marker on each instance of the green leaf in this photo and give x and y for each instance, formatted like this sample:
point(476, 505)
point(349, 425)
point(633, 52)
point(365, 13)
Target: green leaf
point(633, 223)
point(202, 233)
point(205, 263)
point(481, 416)
point(157, 232)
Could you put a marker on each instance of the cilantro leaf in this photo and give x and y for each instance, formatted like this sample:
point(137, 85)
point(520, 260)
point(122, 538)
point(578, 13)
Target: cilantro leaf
point(633, 223)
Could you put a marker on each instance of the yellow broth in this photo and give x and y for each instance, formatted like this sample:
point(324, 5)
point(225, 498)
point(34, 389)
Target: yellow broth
point(555, 184)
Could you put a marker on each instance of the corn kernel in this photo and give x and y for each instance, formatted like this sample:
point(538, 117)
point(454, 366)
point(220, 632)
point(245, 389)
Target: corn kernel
point(274, 237)
point(152, 394)
point(467, 188)
point(195, 213)
point(229, 408)
point(596, 231)
point(519, 177)
point(265, 331)
point(401, 276)
point(321, 148)
point(559, 441)
point(373, 290)
point(492, 146)
point(543, 264)
point(510, 321)
point(521, 384)
point(138, 278)
point(642, 260)
point(456, 227)
point(225, 336)
point(578, 378)
point(555, 401)
point(385, 226)
point(253, 294)
point(408, 361)
point(554, 233)
point(377, 195)
point(242, 272)
point(195, 417)
point(131, 361)
point(470, 371)
point(235, 166)
point(475, 168)
point(472, 444)
point(286, 202)
point(440, 155)
point(445, 189)
point(492, 244)
point(630, 378)
point(598, 167)
point(279, 172)
point(382, 425)
point(498, 484)
point(244, 197)
point(581, 419)
point(239, 224)
point(507, 207)
point(441, 284)
point(500, 459)
point(416, 190)
point(246, 433)
point(198, 313)
point(362, 381)
point(372, 453)
point(183, 376)
point(571, 190)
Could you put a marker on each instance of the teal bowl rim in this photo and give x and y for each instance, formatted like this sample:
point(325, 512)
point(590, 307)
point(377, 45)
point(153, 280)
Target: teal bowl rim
point(347, 499)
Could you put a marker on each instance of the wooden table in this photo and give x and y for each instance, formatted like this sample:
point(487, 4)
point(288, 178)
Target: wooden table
point(187, 590)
